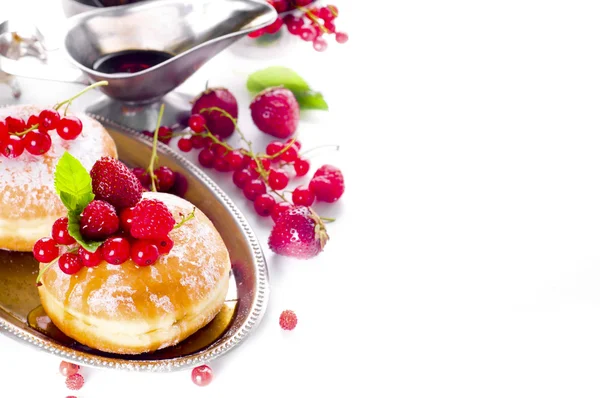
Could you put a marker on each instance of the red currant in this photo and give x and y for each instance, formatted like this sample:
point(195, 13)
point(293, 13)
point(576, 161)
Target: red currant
point(32, 121)
point(67, 369)
point(126, 219)
point(275, 26)
point(221, 165)
point(254, 188)
point(302, 196)
point(45, 250)
point(15, 124)
point(184, 144)
point(264, 204)
point(296, 143)
point(319, 44)
point(12, 147)
point(303, 3)
point(197, 123)
point(290, 155)
point(278, 179)
point(90, 259)
point(279, 208)
point(334, 10)
point(301, 166)
point(144, 253)
point(266, 164)
point(165, 178)
point(308, 33)
point(202, 375)
point(37, 143)
point(142, 175)
point(218, 149)
point(235, 159)
point(256, 33)
point(164, 245)
point(197, 141)
point(115, 250)
point(69, 128)
point(60, 232)
point(165, 134)
point(49, 118)
point(280, 5)
point(206, 158)
point(330, 26)
point(240, 177)
point(325, 14)
point(274, 148)
point(293, 23)
point(3, 131)
point(69, 263)
point(341, 37)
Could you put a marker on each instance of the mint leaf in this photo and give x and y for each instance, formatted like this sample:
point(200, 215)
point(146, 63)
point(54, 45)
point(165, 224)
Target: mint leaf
point(73, 183)
point(311, 100)
point(73, 227)
point(276, 76)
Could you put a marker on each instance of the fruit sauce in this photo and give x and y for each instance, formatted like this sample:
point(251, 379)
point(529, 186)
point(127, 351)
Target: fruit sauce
point(130, 61)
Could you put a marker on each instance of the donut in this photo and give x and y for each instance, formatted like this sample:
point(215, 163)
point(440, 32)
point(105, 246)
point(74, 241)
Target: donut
point(127, 309)
point(29, 203)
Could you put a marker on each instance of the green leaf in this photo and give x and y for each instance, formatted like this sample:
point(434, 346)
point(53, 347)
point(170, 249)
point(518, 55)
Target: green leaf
point(276, 76)
point(73, 183)
point(73, 227)
point(311, 100)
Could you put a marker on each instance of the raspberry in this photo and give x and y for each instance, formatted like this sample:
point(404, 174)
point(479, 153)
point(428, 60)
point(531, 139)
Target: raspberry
point(288, 320)
point(114, 183)
point(74, 382)
point(99, 220)
point(275, 111)
point(328, 184)
point(151, 220)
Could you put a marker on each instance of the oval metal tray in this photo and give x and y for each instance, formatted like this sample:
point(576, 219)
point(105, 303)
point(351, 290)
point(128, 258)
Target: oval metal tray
point(21, 314)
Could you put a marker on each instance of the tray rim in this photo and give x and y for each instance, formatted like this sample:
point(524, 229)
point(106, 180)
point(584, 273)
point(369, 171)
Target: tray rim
point(254, 318)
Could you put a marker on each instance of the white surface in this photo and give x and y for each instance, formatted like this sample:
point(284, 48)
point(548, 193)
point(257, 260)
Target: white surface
point(465, 257)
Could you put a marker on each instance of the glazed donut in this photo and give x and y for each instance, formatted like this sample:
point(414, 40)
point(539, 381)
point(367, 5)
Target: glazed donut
point(126, 309)
point(29, 203)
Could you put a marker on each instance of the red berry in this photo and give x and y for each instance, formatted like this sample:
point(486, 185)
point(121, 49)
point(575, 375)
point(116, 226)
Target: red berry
point(303, 196)
point(12, 147)
point(75, 382)
point(69, 128)
point(308, 33)
point(256, 33)
point(303, 3)
point(325, 14)
point(114, 183)
point(218, 149)
point(217, 122)
point(264, 204)
point(142, 175)
point(15, 124)
point(60, 232)
point(3, 130)
point(235, 160)
point(290, 155)
point(330, 26)
point(99, 220)
point(144, 253)
point(334, 10)
point(197, 141)
point(37, 143)
point(253, 171)
point(206, 158)
point(299, 233)
point(319, 44)
point(221, 165)
point(279, 208)
point(278, 179)
point(115, 250)
point(293, 24)
point(275, 111)
point(89, 259)
point(266, 165)
point(328, 170)
point(184, 144)
point(164, 245)
point(240, 177)
point(197, 123)
point(275, 26)
point(49, 118)
point(288, 320)
point(165, 134)
point(165, 178)
point(296, 143)
point(69, 263)
point(327, 184)
point(32, 121)
point(301, 166)
point(45, 250)
point(341, 37)
point(254, 188)
point(280, 5)
point(202, 375)
point(126, 219)
point(274, 148)
point(67, 369)
point(151, 220)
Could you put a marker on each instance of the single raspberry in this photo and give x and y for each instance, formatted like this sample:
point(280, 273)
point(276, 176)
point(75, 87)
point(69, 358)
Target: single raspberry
point(99, 220)
point(275, 111)
point(330, 171)
point(74, 382)
point(299, 233)
point(114, 183)
point(328, 184)
point(151, 220)
point(217, 122)
point(288, 320)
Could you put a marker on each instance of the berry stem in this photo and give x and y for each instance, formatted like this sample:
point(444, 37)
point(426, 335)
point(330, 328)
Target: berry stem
point(185, 219)
point(285, 148)
point(85, 90)
point(228, 116)
point(35, 126)
point(154, 156)
point(333, 11)
point(337, 148)
point(314, 18)
point(327, 219)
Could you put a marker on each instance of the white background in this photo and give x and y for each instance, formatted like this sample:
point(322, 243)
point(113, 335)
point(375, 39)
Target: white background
point(465, 258)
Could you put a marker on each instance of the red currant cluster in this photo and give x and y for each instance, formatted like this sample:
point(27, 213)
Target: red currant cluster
point(311, 25)
point(16, 135)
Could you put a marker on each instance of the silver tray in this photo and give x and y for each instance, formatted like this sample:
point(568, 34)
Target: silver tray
point(22, 318)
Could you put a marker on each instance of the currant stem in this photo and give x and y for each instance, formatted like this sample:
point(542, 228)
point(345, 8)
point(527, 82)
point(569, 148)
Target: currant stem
point(228, 116)
point(35, 126)
point(314, 18)
point(327, 219)
point(41, 273)
point(288, 146)
point(337, 148)
point(85, 90)
point(185, 219)
point(154, 157)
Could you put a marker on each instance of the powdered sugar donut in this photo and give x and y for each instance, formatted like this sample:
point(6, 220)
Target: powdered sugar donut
point(29, 203)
